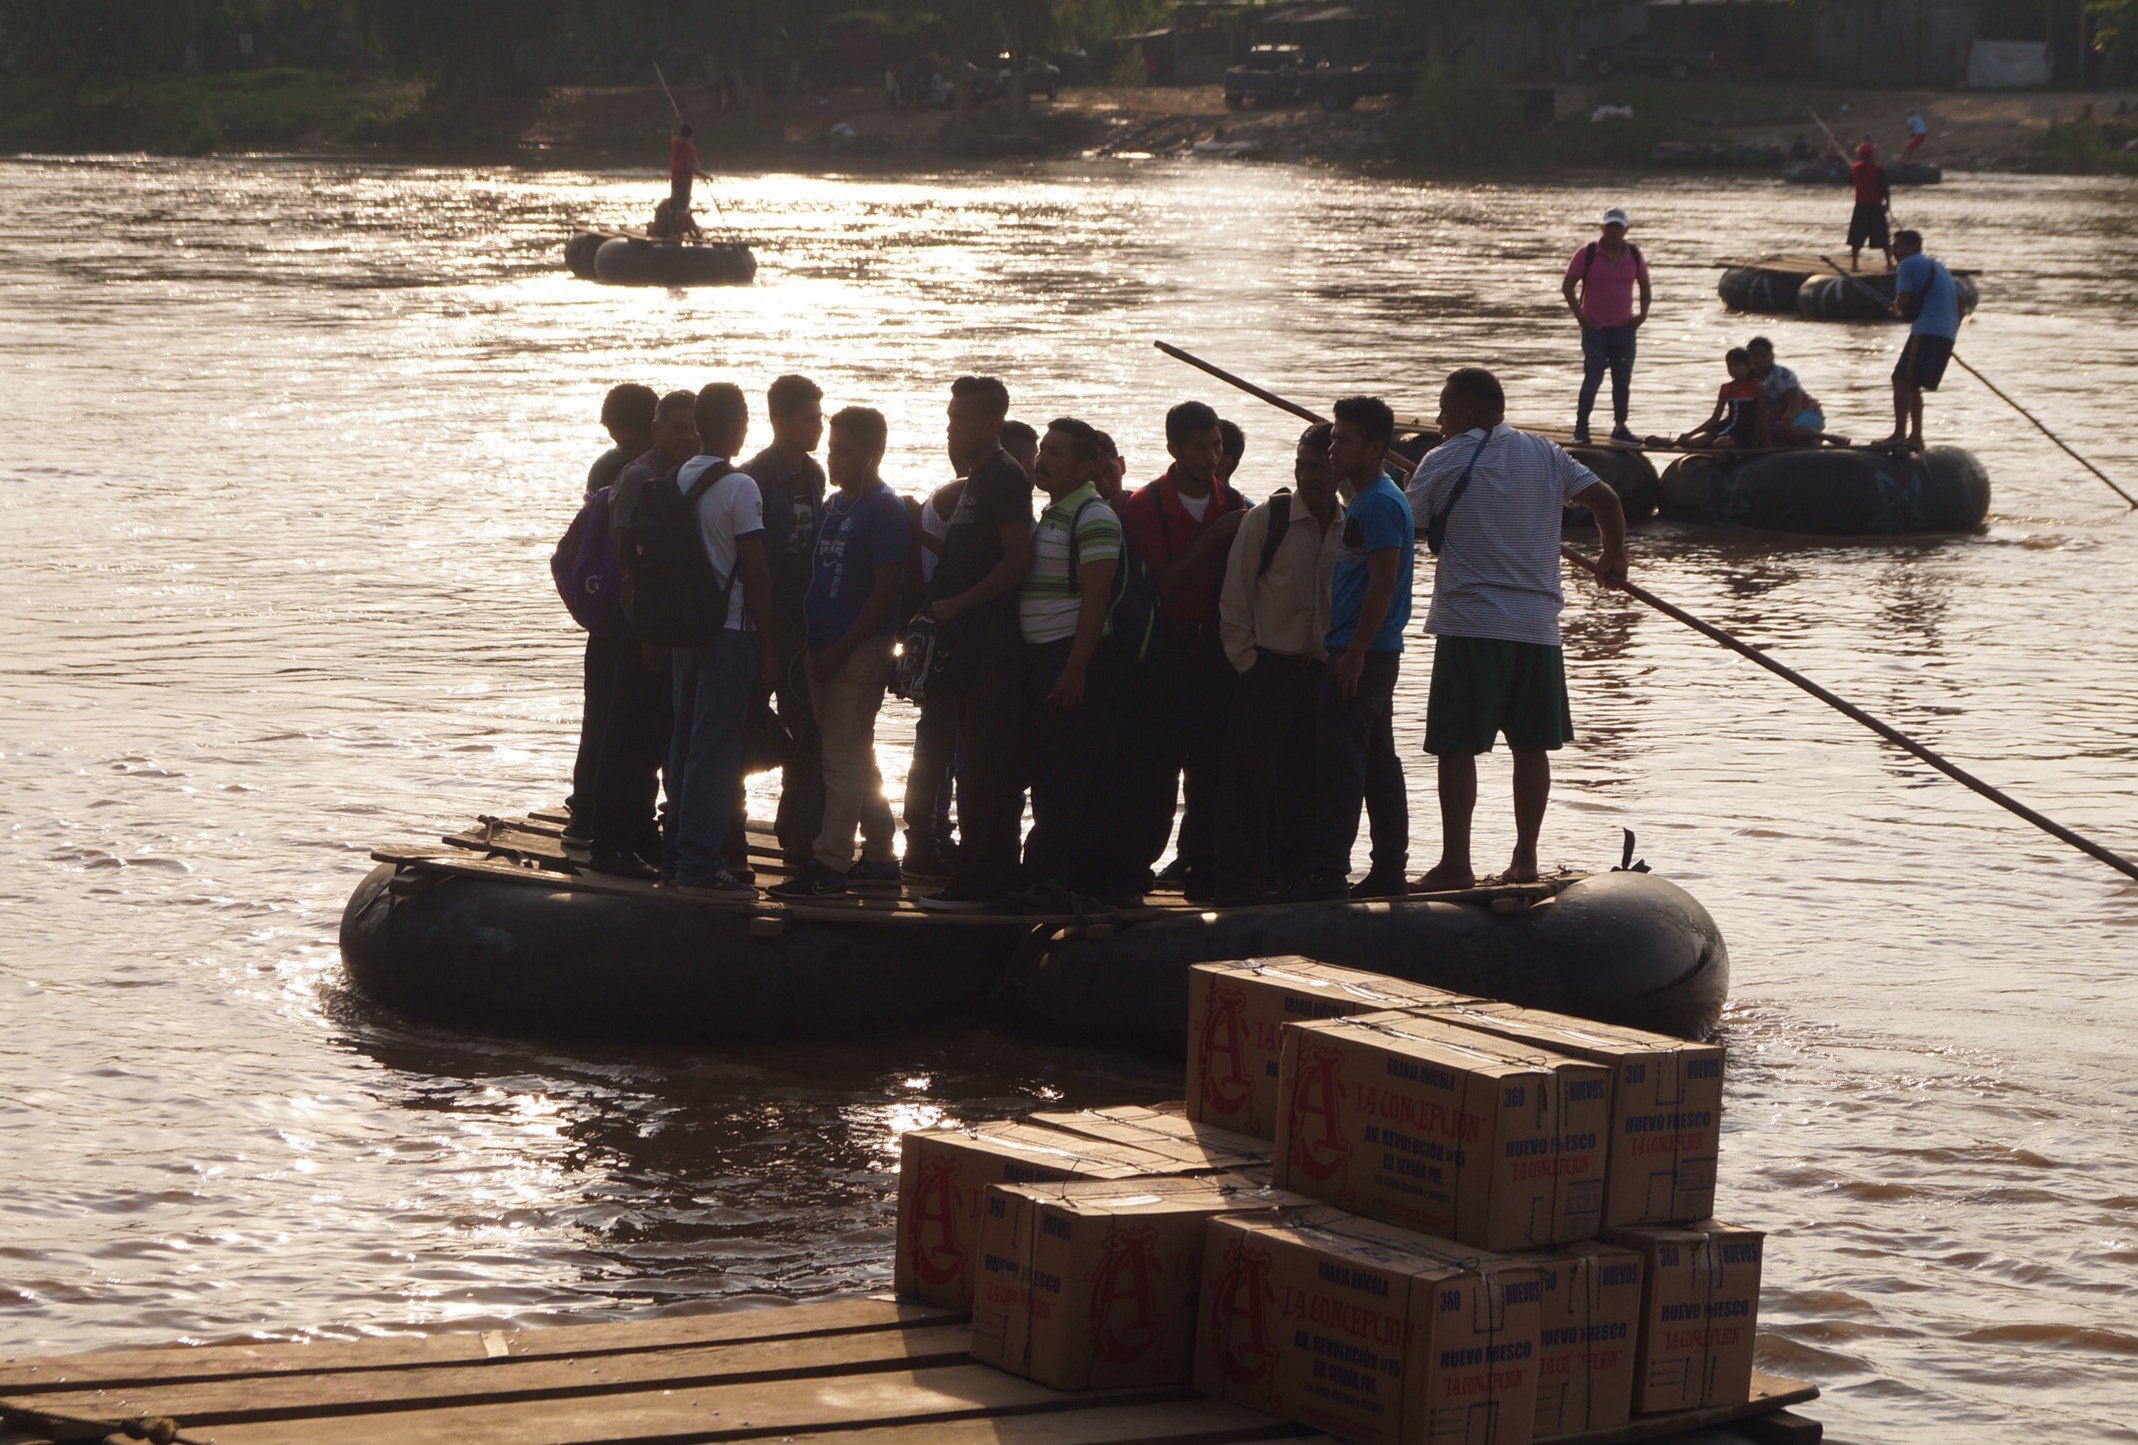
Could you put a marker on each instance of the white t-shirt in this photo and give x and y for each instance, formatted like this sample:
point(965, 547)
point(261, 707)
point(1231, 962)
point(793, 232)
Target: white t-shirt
point(936, 525)
point(1497, 576)
point(732, 508)
point(1194, 506)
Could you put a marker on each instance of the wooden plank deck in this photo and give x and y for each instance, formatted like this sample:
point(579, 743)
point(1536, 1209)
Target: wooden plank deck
point(532, 850)
point(863, 1370)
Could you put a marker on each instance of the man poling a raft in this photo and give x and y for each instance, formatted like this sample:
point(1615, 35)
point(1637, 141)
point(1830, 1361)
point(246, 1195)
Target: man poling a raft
point(672, 217)
point(1610, 570)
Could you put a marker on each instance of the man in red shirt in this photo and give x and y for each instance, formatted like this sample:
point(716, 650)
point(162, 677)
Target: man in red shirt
point(1867, 223)
point(1182, 527)
point(682, 167)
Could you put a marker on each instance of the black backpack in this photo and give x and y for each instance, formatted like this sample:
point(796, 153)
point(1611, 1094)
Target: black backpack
point(1588, 257)
point(672, 596)
point(1280, 522)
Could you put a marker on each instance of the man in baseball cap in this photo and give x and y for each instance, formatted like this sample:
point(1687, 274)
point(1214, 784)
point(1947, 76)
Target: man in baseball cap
point(1599, 289)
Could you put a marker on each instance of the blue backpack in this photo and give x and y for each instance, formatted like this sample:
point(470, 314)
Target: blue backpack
point(584, 568)
point(1134, 609)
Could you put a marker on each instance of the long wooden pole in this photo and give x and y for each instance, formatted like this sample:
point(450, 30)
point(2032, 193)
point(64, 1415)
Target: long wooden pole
point(666, 91)
point(1707, 629)
point(2002, 395)
point(1849, 710)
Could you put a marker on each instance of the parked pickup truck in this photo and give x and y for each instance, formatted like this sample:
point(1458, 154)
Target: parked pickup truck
point(1385, 72)
point(1644, 56)
point(1268, 76)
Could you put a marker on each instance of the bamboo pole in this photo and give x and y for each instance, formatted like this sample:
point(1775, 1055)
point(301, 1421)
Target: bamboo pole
point(2003, 396)
point(1849, 710)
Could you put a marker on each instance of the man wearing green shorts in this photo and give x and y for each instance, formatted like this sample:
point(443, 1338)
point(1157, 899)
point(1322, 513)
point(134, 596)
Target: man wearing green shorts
point(1496, 497)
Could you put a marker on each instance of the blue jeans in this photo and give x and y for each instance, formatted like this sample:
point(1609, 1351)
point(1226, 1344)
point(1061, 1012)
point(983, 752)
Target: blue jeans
point(712, 700)
point(1602, 347)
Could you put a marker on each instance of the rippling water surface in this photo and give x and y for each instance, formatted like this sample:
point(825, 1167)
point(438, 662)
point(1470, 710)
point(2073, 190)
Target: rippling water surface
point(285, 451)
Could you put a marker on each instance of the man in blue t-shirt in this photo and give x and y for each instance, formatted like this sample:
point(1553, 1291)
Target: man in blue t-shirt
point(1923, 294)
point(1369, 606)
point(849, 614)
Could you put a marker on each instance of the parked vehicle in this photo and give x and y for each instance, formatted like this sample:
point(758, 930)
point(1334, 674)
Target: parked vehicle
point(1642, 55)
point(1268, 76)
point(1385, 72)
point(992, 82)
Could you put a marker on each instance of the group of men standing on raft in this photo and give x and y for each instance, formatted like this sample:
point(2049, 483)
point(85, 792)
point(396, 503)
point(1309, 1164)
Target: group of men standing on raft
point(1104, 658)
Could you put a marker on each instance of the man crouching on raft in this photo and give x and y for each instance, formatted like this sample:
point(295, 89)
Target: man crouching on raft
point(1488, 501)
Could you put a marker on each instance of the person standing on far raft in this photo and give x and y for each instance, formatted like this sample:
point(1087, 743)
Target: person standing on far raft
point(1923, 294)
point(1599, 288)
point(1874, 197)
point(1369, 606)
point(1495, 497)
point(1917, 134)
point(682, 169)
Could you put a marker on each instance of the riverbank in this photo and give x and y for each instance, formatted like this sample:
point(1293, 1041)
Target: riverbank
point(1474, 124)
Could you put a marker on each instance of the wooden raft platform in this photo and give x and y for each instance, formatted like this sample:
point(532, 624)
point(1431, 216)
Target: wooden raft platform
point(858, 1370)
point(532, 849)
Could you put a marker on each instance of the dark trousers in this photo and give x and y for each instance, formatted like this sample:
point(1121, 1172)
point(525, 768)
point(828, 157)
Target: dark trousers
point(1266, 783)
point(634, 704)
point(930, 781)
point(991, 770)
point(1065, 757)
point(800, 812)
point(1173, 742)
point(1356, 744)
point(1606, 348)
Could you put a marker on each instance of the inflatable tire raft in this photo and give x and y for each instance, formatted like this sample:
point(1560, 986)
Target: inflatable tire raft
point(1867, 296)
point(1756, 289)
point(1626, 948)
point(579, 253)
point(621, 261)
point(1831, 492)
point(1626, 472)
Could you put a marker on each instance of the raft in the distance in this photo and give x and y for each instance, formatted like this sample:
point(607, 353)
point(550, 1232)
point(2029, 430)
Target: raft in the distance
point(628, 259)
point(1831, 491)
point(453, 937)
point(1808, 286)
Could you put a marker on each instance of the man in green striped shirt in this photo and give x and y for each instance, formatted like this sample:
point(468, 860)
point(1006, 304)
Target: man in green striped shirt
point(1063, 615)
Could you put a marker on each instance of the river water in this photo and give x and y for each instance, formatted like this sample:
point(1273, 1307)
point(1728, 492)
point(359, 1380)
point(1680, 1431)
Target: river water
point(287, 445)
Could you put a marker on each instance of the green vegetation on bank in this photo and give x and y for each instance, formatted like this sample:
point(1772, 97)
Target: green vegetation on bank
point(275, 108)
point(1463, 118)
point(2087, 146)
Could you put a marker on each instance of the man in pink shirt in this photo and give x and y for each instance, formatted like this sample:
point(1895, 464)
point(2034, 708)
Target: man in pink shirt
point(1599, 289)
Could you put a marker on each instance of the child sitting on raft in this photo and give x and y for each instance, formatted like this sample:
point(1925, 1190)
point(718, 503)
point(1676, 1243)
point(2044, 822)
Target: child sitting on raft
point(669, 226)
point(1738, 419)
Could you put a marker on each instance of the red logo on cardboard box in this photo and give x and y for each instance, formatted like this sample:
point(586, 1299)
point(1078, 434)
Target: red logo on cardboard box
point(1226, 1083)
point(1125, 1323)
point(1318, 1146)
point(1238, 1319)
point(932, 1225)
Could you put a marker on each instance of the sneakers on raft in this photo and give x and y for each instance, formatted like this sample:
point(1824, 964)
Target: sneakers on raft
point(877, 877)
point(813, 882)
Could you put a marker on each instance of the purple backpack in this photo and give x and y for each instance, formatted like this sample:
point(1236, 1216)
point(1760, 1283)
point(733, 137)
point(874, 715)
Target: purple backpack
point(584, 566)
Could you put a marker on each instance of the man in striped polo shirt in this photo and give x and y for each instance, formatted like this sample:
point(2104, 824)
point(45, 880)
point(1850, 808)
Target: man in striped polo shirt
point(1063, 609)
point(1497, 496)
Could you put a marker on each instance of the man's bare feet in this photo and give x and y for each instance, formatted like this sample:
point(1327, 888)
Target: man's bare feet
point(1912, 444)
point(1521, 868)
point(1445, 878)
point(1888, 444)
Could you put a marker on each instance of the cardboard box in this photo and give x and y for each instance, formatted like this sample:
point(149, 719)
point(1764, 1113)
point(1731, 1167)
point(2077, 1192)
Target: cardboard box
point(1368, 1332)
point(1666, 1107)
point(943, 1179)
point(1093, 1284)
point(1442, 1129)
point(1236, 1016)
point(1163, 1129)
point(1589, 1336)
point(1699, 1311)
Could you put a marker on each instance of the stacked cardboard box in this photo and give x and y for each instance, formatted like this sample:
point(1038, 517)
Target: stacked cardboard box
point(1386, 1211)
